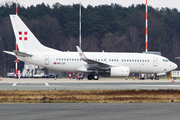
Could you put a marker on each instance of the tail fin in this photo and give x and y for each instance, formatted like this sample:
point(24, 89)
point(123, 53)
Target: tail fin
point(25, 39)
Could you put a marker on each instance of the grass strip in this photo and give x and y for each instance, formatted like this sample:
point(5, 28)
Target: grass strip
point(89, 96)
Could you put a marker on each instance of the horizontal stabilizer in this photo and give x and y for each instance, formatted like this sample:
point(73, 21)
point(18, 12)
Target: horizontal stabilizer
point(18, 53)
point(11, 53)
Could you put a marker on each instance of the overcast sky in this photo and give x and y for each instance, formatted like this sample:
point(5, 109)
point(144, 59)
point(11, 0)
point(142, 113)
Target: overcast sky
point(125, 3)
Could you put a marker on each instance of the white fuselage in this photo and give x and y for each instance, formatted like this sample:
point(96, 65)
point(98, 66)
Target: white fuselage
point(70, 61)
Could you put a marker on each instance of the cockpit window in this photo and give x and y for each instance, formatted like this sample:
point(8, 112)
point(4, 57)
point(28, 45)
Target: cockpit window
point(165, 60)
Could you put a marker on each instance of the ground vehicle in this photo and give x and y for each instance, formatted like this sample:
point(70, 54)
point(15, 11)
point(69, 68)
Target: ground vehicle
point(175, 74)
point(53, 75)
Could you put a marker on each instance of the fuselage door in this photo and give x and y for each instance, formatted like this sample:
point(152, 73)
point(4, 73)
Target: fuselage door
point(155, 61)
point(46, 60)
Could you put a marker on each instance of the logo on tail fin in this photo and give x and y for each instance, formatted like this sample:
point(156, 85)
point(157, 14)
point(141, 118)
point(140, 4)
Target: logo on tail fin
point(23, 35)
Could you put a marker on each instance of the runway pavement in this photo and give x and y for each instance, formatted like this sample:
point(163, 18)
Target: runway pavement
point(73, 84)
point(90, 111)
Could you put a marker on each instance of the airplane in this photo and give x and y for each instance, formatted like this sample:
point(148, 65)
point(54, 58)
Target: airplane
point(112, 64)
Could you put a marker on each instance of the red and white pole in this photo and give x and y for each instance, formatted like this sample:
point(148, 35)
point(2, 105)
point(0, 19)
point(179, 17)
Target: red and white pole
point(146, 26)
point(16, 7)
point(69, 75)
point(16, 68)
point(16, 65)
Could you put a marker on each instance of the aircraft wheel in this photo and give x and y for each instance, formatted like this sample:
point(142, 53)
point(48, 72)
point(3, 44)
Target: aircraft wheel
point(90, 77)
point(157, 78)
point(96, 77)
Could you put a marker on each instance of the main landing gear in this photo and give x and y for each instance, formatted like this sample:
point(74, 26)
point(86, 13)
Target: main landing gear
point(93, 76)
point(156, 78)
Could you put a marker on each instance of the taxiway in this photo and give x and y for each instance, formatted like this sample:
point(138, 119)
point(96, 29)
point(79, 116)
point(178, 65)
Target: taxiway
point(73, 84)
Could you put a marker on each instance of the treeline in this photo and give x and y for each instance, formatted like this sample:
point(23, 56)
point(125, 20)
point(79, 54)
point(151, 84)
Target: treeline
point(106, 27)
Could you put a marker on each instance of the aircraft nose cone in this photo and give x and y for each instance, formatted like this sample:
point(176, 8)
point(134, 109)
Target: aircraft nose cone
point(174, 66)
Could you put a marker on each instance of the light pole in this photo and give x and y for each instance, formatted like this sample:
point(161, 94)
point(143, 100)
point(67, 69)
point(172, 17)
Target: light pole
point(4, 71)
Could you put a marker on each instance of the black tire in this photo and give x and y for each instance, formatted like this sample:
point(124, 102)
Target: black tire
point(174, 78)
point(90, 77)
point(157, 78)
point(96, 77)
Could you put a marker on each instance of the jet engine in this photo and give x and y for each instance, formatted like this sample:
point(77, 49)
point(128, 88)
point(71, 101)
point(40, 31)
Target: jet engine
point(119, 71)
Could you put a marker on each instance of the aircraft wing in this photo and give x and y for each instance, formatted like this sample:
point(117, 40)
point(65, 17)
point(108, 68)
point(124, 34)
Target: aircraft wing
point(90, 62)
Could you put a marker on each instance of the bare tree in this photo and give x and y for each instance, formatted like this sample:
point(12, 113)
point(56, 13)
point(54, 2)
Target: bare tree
point(115, 42)
point(90, 43)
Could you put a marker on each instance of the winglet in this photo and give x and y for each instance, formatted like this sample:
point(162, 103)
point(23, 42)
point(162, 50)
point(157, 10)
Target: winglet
point(81, 54)
point(89, 61)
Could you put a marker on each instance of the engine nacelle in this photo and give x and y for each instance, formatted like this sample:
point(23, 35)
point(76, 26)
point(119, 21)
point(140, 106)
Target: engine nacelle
point(119, 71)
